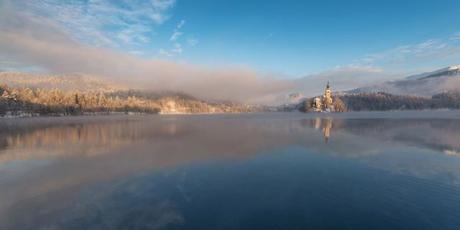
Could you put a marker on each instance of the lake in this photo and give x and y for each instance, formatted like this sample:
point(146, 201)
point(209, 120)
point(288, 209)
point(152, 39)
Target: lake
point(389, 170)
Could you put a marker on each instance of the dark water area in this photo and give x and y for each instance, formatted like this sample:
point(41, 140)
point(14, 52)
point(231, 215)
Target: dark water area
point(395, 170)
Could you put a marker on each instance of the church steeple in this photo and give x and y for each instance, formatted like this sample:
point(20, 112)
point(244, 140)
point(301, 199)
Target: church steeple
point(326, 102)
point(327, 97)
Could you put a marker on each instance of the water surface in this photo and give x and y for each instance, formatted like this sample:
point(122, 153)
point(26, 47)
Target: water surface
point(251, 171)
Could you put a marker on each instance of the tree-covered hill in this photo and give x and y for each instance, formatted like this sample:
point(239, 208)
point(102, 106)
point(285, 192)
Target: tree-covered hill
point(384, 102)
point(27, 101)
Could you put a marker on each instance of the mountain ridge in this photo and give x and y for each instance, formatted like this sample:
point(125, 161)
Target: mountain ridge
point(424, 84)
point(451, 70)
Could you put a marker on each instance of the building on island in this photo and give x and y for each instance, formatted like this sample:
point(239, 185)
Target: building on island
point(324, 103)
point(327, 102)
point(327, 98)
point(317, 104)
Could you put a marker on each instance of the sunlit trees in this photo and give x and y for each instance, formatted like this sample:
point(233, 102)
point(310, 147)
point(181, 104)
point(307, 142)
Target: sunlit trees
point(59, 102)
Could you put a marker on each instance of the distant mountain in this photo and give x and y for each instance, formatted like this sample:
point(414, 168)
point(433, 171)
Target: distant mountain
point(425, 84)
point(448, 71)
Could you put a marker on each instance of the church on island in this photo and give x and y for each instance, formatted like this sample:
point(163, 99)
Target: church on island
point(325, 103)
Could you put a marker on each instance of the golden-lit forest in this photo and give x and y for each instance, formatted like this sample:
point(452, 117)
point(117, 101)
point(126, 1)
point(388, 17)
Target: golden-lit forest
point(24, 101)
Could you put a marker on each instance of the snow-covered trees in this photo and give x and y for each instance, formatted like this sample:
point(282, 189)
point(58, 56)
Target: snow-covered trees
point(59, 102)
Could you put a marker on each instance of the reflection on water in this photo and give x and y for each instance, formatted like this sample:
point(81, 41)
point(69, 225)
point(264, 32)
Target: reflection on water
point(325, 124)
point(230, 171)
point(76, 139)
point(436, 134)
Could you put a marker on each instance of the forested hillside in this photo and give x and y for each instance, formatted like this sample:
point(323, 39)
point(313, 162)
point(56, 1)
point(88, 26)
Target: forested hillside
point(30, 101)
point(385, 101)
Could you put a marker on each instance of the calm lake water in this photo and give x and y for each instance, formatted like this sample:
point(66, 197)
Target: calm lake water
point(253, 171)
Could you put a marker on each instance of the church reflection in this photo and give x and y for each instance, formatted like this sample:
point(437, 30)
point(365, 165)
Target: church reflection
point(325, 125)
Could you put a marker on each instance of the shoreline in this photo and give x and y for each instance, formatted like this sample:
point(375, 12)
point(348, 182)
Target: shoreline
point(393, 114)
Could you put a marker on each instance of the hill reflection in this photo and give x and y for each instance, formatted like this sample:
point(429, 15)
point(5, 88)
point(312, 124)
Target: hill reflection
point(233, 136)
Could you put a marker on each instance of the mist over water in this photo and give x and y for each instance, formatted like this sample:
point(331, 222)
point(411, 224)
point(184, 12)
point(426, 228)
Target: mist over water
point(249, 171)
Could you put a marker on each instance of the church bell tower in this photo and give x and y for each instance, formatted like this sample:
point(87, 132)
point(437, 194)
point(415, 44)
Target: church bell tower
point(327, 97)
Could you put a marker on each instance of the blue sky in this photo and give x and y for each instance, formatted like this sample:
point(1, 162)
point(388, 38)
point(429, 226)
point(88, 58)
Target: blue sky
point(350, 41)
point(286, 38)
point(302, 37)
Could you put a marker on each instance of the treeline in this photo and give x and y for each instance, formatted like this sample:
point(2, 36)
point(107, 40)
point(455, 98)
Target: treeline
point(384, 101)
point(447, 100)
point(28, 101)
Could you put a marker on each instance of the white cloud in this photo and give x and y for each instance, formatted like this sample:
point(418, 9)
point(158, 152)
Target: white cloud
point(175, 35)
point(455, 37)
point(181, 24)
point(177, 32)
point(161, 5)
point(191, 41)
point(134, 35)
point(159, 8)
point(419, 54)
point(164, 53)
point(137, 52)
point(177, 48)
point(103, 23)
